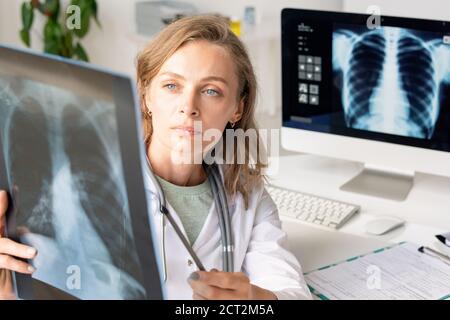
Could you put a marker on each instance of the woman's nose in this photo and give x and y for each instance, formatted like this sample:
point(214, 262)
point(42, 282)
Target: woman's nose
point(190, 111)
point(189, 106)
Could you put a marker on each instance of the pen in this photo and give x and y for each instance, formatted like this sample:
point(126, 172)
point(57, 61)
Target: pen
point(444, 238)
point(434, 253)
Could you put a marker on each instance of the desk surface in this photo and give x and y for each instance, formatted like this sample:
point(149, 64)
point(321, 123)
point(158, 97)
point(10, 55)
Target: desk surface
point(426, 211)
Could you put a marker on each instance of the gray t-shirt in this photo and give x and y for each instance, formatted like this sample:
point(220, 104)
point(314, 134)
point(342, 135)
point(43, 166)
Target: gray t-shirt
point(191, 203)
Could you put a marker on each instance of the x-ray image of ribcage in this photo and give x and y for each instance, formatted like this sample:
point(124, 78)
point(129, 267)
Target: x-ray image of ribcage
point(390, 79)
point(73, 207)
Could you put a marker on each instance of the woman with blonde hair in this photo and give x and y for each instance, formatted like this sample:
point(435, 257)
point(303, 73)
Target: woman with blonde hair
point(196, 77)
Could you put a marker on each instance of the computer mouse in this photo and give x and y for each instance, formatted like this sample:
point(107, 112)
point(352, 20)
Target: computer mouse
point(382, 225)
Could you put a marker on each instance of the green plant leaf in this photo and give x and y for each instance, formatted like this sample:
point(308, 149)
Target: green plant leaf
point(27, 15)
point(53, 30)
point(68, 40)
point(68, 48)
point(53, 38)
point(52, 47)
point(50, 8)
point(81, 53)
point(25, 36)
point(94, 8)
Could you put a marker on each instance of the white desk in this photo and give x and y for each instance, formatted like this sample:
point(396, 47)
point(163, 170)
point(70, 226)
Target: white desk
point(427, 211)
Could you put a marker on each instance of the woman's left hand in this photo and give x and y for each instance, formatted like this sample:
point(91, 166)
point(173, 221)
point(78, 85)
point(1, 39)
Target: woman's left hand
point(217, 285)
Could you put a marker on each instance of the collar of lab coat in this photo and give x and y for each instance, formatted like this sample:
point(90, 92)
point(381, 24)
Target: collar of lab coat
point(149, 185)
point(209, 226)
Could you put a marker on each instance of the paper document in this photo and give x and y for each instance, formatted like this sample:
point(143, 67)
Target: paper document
point(397, 272)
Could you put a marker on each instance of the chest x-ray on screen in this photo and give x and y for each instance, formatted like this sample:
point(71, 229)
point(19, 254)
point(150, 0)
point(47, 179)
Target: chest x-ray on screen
point(65, 171)
point(392, 78)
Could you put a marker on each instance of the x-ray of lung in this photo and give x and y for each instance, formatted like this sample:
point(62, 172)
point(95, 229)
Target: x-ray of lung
point(391, 79)
point(73, 205)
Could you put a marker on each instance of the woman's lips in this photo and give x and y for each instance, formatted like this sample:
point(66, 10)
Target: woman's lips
point(188, 131)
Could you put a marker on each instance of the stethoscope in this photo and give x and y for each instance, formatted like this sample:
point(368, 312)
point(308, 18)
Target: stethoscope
point(221, 204)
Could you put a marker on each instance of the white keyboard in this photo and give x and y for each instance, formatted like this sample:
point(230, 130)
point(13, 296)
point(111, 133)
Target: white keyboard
point(310, 208)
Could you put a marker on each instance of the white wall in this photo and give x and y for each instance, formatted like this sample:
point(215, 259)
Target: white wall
point(2, 20)
point(428, 9)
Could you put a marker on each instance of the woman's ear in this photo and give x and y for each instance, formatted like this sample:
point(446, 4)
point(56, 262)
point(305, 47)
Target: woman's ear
point(146, 110)
point(237, 115)
point(146, 102)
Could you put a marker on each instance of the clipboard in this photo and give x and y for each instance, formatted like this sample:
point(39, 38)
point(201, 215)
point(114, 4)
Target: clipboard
point(395, 272)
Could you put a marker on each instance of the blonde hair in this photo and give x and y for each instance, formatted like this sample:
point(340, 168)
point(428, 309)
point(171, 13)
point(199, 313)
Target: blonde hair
point(237, 177)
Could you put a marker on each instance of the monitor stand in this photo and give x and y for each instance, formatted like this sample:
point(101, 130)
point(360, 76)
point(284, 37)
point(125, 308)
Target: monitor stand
point(382, 183)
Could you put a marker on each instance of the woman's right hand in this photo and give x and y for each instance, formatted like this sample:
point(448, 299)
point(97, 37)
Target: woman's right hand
point(9, 252)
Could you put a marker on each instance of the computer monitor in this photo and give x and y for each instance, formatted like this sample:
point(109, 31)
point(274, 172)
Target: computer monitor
point(71, 155)
point(373, 93)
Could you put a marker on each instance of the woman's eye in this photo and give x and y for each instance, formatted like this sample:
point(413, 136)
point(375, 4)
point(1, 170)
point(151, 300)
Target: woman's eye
point(170, 86)
point(211, 92)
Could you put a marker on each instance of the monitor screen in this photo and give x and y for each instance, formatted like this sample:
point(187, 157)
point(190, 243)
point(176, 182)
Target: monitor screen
point(70, 156)
point(387, 82)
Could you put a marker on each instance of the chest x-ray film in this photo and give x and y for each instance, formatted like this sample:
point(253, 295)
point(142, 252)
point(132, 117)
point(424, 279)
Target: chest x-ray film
point(70, 157)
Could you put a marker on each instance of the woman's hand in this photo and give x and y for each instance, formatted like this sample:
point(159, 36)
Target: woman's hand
point(217, 285)
point(9, 252)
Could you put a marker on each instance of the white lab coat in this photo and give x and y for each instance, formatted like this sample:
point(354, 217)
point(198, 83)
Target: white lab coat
point(259, 247)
